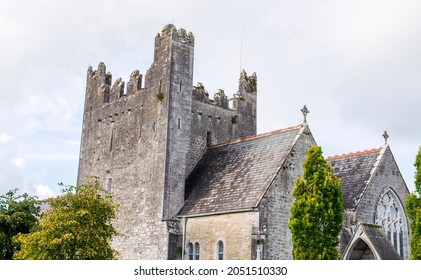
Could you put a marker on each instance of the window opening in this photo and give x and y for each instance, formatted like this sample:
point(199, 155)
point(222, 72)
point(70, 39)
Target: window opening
point(220, 248)
point(196, 251)
point(389, 216)
point(112, 139)
point(109, 184)
point(190, 251)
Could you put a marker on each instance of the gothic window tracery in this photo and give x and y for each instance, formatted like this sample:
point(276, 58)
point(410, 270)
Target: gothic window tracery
point(390, 216)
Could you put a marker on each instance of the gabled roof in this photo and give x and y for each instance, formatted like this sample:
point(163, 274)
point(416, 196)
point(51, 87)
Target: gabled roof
point(355, 171)
point(234, 176)
point(374, 237)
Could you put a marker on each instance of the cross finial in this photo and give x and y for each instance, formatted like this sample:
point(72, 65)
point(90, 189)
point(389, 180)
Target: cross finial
point(305, 112)
point(385, 136)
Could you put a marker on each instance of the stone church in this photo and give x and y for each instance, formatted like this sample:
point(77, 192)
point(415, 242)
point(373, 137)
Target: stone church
point(194, 181)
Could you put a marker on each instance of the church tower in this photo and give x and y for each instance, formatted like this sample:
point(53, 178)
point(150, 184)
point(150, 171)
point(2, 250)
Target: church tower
point(136, 140)
point(142, 141)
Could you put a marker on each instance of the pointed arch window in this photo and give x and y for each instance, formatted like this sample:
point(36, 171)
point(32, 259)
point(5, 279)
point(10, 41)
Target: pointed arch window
point(390, 215)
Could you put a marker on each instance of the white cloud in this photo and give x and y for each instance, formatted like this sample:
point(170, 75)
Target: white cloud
point(19, 162)
point(5, 138)
point(43, 191)
point(354, 63)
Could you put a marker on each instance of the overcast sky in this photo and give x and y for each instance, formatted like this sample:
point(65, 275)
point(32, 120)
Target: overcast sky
point(355, 64)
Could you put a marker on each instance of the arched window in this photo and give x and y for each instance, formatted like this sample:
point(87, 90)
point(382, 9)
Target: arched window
point(220, 250)
point(190, 251)
point(390, 215)
point(196, 251)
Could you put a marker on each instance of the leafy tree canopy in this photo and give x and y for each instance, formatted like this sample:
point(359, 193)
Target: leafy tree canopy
point(316, 214)
point(417, 165)
point(413, 209)
point(18, 214)
point(77, 227)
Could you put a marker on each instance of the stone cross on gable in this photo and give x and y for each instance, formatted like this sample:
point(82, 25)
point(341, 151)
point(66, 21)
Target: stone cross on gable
point(305, 112)
point(385, 136)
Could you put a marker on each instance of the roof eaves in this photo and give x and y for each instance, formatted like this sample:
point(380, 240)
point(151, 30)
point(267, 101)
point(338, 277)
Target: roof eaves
point(252, 137)
point(217, 213)
point(365, 152)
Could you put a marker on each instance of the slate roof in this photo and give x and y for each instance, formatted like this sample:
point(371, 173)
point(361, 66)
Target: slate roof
point(379, 241)
point(235, 175)
point(355, 171)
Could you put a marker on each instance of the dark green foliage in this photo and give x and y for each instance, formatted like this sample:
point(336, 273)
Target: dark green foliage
point(18, 214)
point(316, 214)
point(77, 227)
point(160, 96)
point(413, 210)
point(417, 165)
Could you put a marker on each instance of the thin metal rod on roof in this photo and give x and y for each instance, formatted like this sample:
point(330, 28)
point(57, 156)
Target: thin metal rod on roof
point(305, 112)
point(385, 136)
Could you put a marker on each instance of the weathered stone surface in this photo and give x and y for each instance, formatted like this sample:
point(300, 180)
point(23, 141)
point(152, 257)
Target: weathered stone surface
point(366, 177)
point(145, 140)
point(255, 174)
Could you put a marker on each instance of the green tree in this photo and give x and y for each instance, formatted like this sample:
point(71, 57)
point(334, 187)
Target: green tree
point(413, 209)
point(316, 214)
point(18, 214)
point(77, 227)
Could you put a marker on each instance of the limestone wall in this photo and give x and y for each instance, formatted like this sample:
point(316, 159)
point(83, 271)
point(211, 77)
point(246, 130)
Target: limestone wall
point(234, 230)
point(386, 178)
point(142, 141)
point(275, 209)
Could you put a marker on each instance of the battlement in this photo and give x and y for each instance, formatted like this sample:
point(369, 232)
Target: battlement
point(247, 86)
point(176, 34)
point(144, 135)
point(100, 80)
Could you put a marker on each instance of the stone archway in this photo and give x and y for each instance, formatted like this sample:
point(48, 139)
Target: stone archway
point(369, 242)
point(361, 251)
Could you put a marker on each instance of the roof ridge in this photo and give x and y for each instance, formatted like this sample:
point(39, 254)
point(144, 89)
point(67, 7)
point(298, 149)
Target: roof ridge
point(252, 137)
point(354, 154)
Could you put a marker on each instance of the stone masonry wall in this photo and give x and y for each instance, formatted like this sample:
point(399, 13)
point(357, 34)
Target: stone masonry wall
point(125, 142)
point(215, 122)
point(387, 177)
point(275, 209)
point(233, 229)
point(136, 140)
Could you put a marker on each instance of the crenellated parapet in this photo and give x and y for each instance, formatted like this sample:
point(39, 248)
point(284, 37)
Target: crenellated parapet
point(100, 89)
point(247, 84)
point(243, 101)
point(200, 93)
point(220, 99)
point(143, 136)
point(176, 34)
